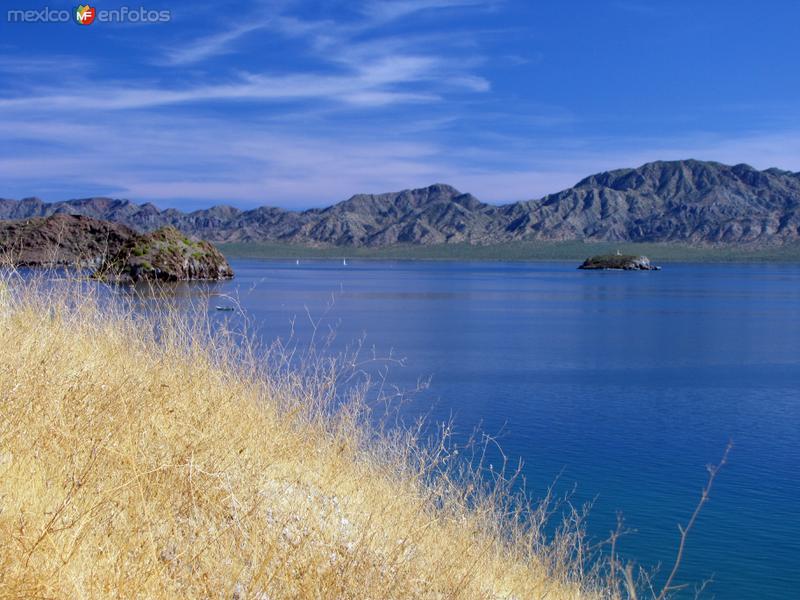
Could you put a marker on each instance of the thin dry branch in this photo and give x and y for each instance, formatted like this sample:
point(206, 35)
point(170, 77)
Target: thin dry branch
point(712, 474)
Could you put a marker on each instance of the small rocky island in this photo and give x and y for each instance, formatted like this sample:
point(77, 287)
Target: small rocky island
point(110, 251)
point(622, 262)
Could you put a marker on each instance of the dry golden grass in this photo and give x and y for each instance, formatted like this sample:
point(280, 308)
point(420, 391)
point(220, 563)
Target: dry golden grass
point(143, 459)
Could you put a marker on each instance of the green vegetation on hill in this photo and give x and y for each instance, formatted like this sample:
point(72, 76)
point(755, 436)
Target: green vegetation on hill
point(169, 255)
point(522, 251)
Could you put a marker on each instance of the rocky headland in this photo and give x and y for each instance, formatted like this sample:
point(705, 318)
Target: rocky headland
point(110, 251)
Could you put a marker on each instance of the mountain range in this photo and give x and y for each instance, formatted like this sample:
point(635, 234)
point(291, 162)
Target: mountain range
point(688, 201)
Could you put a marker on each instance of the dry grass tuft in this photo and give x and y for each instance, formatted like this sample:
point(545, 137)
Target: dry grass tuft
point(144, 457)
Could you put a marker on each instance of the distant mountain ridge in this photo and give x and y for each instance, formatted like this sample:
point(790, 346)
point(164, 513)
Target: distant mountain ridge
point(688, 201)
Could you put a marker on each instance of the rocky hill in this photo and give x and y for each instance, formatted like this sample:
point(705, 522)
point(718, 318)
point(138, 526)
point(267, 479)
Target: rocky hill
point(109, 250)
point(686, 201)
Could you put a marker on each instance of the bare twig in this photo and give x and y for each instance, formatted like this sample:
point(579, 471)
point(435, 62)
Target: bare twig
point(712, 474)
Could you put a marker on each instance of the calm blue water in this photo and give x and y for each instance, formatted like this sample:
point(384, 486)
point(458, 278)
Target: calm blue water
point(626, 384)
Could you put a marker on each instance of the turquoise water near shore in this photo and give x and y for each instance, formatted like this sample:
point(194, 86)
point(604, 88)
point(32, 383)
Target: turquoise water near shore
point(623, 384)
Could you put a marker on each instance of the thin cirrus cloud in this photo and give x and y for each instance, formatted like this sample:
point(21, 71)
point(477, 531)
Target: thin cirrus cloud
point(324, 33)
point(209, 46)
point(371, 86)
point(375, 72)
point(382, 12)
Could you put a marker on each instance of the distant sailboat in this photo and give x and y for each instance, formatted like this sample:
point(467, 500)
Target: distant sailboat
point(297, 262)
point(344, 262)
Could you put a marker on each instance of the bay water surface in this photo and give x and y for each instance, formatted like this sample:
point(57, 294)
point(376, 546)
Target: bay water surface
point(622, 384)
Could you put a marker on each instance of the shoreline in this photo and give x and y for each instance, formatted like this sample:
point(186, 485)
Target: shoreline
point(517, 252)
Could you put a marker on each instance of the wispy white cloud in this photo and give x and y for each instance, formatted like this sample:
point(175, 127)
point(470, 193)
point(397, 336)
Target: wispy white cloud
point(373, 72)
point(355, 46)
point(211, 45)
point(326, 34)
point(384, 11)
point(371, 87)
point(38, 65)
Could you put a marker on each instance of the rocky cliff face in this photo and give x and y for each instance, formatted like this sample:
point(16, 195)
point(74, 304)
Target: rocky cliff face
point(63, 240)
point(679, 201)
point(110, 250)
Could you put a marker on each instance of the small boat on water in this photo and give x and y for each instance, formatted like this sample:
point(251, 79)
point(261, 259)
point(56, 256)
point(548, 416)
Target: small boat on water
point(225, 308)
point(344, 262)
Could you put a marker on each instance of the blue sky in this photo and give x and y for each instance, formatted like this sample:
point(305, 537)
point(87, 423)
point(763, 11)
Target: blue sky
point(301, 104)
